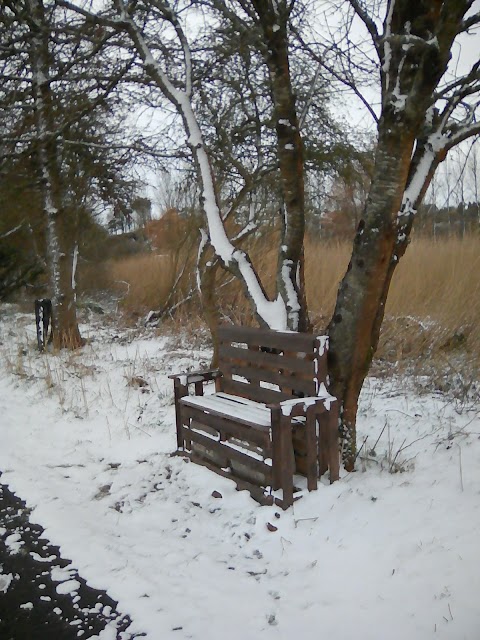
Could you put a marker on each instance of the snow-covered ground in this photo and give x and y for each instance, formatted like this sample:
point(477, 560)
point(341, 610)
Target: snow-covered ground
point(389, 552)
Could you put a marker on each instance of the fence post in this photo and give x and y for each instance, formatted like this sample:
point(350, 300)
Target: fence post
point(43, 320)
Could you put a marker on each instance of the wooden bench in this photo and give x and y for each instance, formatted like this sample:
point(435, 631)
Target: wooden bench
point(271, 414)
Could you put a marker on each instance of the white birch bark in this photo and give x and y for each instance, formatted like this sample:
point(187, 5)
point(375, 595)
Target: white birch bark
point(40, 79)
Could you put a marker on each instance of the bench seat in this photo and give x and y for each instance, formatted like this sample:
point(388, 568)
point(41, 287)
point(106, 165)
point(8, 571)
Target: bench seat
point(247, 412)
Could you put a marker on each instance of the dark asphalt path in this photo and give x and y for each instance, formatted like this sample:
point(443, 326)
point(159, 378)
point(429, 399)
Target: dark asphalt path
point(31, 607)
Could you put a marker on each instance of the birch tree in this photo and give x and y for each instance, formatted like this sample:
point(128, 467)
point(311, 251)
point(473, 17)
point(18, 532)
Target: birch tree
point(62, 256)
point(53, 122)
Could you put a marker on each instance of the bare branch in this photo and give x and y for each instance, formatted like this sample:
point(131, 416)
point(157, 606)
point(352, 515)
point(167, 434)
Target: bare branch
point(470, 22)
point(362, 13)
point(348, 82)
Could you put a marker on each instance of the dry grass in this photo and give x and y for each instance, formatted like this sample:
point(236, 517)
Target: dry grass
point(433, 307)
point(326, 263)
point(433, 310)
point(439, 280)
point(142, 282)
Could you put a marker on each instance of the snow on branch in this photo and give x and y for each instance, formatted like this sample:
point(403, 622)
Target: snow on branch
point(428, 155)
point(470, 22)
point(12, 231)
point(272, 313)
point(387, 49)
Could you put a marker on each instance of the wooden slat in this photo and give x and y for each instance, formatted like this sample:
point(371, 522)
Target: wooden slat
point(256, 418)
point(300, 384)
point(291, 341)
point(259, 394)
point(256, 492)
point(225, 426)
point(283, 455)
point(233, 407)
point(271, 360)
point(229, 453)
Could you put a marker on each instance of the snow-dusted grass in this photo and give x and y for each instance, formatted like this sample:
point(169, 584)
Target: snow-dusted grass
point(390, 551)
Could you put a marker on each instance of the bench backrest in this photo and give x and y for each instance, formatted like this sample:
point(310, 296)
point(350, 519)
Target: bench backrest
point(270, 366)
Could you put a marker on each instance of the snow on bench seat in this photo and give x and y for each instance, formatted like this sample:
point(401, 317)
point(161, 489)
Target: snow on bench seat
point(254, 414)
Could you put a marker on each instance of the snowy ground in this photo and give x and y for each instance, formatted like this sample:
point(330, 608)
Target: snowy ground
point(389, 552)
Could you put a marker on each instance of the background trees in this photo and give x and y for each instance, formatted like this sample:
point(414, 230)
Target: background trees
point(231, 79)
point(55, 158)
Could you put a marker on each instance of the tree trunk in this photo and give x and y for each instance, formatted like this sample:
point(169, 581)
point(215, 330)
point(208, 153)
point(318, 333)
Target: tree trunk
point(208, 295)
point(60, 244)
point(355, 326)
point(290, 283)
point(412, 64)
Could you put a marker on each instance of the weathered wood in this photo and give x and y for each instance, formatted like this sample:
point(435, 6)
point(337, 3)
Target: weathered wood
point(231, 454)
point(255, 491)
point(259, 394)
point(267, 338)
point(276, 447)
point(331, 427)
point(179, 390)
point(275, 361)
point(196, 376)
point(244, 420)
point(285, 462)
point(311, 451)
point(257, 434)
point(281, 378)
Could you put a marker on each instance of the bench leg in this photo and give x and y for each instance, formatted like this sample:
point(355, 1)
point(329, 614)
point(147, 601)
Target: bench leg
point(333, 449)
point(276, 449)
point(282, 456)
point(179, 391)
point(323, 443)
point(328, 450)
point(311, 446)
point(286, 461)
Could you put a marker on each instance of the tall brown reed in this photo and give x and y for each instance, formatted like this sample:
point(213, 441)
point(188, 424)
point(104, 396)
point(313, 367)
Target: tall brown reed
point(142, 281)
point(434, 300)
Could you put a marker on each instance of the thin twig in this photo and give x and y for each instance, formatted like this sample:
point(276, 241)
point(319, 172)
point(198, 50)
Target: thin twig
point(402, 412)
point(381, 434)
point(460, 465)
point(397, 454)
point(363, 444)
point(142, 430)
point(314, 518)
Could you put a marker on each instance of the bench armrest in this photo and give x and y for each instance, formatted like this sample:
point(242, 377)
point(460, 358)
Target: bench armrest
point(196, 376)
point(300, 406)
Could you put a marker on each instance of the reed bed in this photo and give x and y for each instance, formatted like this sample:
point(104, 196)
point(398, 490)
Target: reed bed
point(433, 305)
